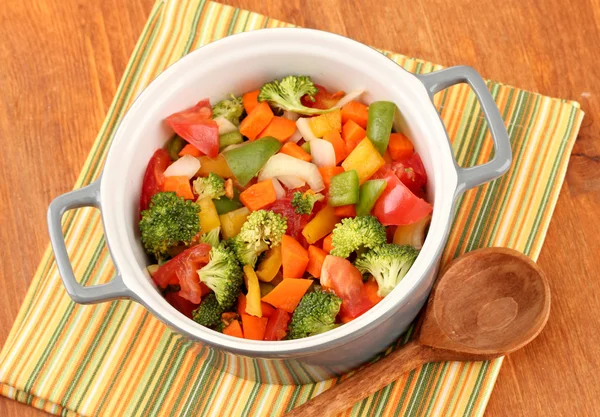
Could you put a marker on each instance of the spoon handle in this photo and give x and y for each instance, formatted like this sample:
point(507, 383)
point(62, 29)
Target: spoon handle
point(365, 382)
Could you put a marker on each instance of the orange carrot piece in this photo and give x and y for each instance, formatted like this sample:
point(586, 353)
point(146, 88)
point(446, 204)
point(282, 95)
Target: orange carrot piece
point(400, 147)
point(254, 327)
point(294, 258)
point(234, 329)
point(241, 304)
point(279, 128)
point(250, 100)
point(328, 243)
point(339, 146)
point(328, 173)
point(256, 121)
point(316, 257)
point(259, 195)
point(345, 211)
point(296, 151)
point(288, 293)
point(387, 157)
point(370, 288)
point(180, 185)
point(267, 309)
point(357, 112)
point(352, 134)
point(191, 150)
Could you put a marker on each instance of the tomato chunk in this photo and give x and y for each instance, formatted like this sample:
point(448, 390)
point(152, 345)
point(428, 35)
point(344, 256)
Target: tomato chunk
point(196, 126)
point(182, 305)
point(278, 325)
point(323, 99)
point(339, 275)
point(154, 178)
point(398, 205)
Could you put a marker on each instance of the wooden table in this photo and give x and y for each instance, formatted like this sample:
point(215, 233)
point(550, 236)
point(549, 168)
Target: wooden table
point(61, 61)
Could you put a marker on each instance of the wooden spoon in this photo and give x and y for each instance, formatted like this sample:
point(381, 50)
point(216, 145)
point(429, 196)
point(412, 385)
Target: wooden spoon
point(488, 303)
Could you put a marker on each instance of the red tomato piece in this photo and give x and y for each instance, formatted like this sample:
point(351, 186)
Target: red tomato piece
point(323, 99)
point(181, 304)
point(154, 178)
point(411, 172)
point(398, 205)
point(339, 275)
point(196, 126)
point(277, 326)
point(182, 270)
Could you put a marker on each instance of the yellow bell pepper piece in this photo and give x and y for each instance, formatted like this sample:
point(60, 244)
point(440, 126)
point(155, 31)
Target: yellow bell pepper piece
point(209, 218)
point(365, 159)
point(269, 266)
point(218, 166)
point(326, 122)
point(253, 306)
point(232, 222)
point(321, 225)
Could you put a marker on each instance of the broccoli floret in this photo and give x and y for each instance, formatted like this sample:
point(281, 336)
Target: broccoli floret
point(262, 229)
point(209, 312)
point(388, 263)
point(303, 203)
point(355, 234)
point(212, 186)
point(230, 108)
point(223, 275)
point(168, 221)
point(315, 314)
point(211, 238)
point(286, 93)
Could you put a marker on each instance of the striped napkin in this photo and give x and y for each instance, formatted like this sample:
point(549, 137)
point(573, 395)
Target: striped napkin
point(115, 359)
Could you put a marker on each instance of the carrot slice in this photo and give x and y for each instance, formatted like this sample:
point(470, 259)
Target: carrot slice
point(241, 304)
point(352, 134)
point(254, 327)
point(296, 151)
point(339, 146)
point(256, 121)
point(357, 112)
point(250, 100)
point(328, 173)
point(288, 293)
point(279, 128)
point(316, 257)
point(234, 329)
point(370, 288)
point(294, 257)
point(259, 195)
point(328, 243)
point(400, 147)
point(180, 185)
point(345, 211)
point(191, 150)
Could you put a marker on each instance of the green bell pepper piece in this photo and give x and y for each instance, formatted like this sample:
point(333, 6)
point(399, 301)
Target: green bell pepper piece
point(246, 160)
point(306, 147)
point(344, 189)
point(379, 126)
point(174, 146)
point(231, 138)
point(370, 191)
point(225, 204)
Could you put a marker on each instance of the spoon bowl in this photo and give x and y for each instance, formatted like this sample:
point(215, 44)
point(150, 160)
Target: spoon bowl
point(487, 303)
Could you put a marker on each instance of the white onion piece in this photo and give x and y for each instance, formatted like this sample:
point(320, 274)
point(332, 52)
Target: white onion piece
point(186, 166)
point(305, 130)
point(230, 147)
point(322, 152)
point(296, 137)
point(282, 164)
point(291, 182)
point(290, 115)
point(279, 191)
point(225, 126)
point(352, 95)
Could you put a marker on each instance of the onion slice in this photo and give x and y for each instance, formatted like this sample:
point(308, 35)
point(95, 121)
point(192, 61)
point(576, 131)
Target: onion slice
point(296, 137)
point(323, 154)
point(290, 115)
point(291, 182)
point(352, 95)
point(279, 191)
point(225, 126)
point(186, 166)
point(282, 164)
point(305, 130)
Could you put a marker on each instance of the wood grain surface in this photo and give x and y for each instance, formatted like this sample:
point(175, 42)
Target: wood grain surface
point(61, 61)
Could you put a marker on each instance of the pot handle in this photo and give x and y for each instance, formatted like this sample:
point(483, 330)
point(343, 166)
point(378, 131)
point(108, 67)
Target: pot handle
point(472, 177)
point(88, 196)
